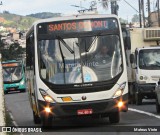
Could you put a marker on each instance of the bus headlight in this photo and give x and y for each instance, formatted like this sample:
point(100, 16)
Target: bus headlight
point(142, 77)
point(46, 97)
point(119, 92)
point(22, 82)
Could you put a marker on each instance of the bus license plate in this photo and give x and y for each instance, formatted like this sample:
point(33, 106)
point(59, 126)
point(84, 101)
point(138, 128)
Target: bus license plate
point(12, 89)
point(85, 112)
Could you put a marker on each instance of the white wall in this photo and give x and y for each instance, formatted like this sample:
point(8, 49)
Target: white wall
point(2, 110)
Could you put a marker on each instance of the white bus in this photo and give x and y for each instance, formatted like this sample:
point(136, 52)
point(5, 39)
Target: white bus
point(76, 66)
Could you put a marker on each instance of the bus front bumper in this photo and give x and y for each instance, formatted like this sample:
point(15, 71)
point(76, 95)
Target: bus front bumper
point(14, 87)
point(147, 89)
point(71, 109)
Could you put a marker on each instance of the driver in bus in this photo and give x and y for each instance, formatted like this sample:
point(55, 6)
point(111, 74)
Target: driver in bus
point(103, 59)
point(103, 54)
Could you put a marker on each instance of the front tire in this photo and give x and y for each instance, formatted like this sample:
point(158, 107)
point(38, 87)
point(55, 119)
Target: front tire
point(5, 92)
point(47, 122)
point(131, 94)
point(114, 117)
point(157, 105)
point(36, 118)
point(138, 98)
point(22, 91)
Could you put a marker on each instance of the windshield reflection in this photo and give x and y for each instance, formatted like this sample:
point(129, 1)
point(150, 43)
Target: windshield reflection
point(149, 59)
point(80, 60)
point(11, 74)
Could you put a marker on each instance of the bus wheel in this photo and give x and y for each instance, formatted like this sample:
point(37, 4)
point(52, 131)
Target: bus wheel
point(36, 118)
point(157, 106)
point(47, 122)
point(138, 98)
point(114, 117)
point(5, 92)
point(131, 94)
point(23, 90)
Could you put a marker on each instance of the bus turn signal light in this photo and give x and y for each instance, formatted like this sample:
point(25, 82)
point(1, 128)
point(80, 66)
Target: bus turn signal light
point(66, 99)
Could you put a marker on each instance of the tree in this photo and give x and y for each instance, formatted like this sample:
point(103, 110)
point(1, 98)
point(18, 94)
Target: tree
point(123, 20)
point(15, 51)
point(135, 18)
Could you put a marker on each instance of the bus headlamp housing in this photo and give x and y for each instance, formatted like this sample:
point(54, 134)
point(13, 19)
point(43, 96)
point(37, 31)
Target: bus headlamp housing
point(120, 90)
point(22, 82)
point(46, 96)
point(143, 77)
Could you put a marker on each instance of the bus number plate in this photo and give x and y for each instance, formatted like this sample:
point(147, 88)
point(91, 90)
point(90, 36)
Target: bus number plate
point(85, 112)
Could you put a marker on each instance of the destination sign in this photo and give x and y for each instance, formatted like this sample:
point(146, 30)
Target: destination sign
point(78, 26)
point(10, 64)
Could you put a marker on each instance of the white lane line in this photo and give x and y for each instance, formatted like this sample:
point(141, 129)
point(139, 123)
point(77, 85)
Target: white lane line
point(14, 122)
point(143, 112)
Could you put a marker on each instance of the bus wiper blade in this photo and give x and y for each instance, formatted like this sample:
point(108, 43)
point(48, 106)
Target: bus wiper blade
point(87, 49)
point(63, 59)
point(65, 44)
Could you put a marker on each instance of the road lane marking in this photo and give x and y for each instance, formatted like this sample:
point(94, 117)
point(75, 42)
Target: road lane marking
point(143, 112)
point(13, 121)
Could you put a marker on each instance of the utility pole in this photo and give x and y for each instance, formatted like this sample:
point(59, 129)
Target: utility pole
point(1, 4)
point(114, 8)
point(140, 15)
point(158, 13)
point(149, 13)
point(143, 15)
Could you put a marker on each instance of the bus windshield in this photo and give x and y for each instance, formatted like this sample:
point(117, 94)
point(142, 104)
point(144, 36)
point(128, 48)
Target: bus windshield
point(11, 72)
point(80, 60)
point(149, 59)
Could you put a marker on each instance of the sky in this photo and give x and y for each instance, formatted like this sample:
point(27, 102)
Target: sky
point(25, 7)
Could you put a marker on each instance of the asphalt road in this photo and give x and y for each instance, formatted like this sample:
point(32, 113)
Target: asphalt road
point(144, 115)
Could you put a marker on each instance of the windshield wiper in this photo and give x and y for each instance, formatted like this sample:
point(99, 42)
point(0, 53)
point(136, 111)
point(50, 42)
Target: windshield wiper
point(65, 44)
point(94, 40)
point(61, 52)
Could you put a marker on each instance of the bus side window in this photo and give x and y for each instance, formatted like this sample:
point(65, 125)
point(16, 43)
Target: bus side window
point(30, 53)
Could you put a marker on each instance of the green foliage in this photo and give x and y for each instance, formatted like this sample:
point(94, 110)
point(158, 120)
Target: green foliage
point(45, 15)
point(15, 51)
point(123, 20)
point(135, 18)
point(24, 22)
point(17, 21)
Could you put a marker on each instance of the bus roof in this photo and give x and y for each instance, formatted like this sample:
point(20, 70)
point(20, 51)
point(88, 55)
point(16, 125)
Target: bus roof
point(73, 17)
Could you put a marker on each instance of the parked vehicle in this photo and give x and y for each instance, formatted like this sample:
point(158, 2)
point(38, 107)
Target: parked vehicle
point(143, 63)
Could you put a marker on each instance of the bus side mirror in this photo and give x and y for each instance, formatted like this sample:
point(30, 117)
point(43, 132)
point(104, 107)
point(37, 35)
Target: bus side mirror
point(132, 59)
point(159, 82)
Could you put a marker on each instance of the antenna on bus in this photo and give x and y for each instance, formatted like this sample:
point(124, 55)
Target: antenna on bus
point(93, 7)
